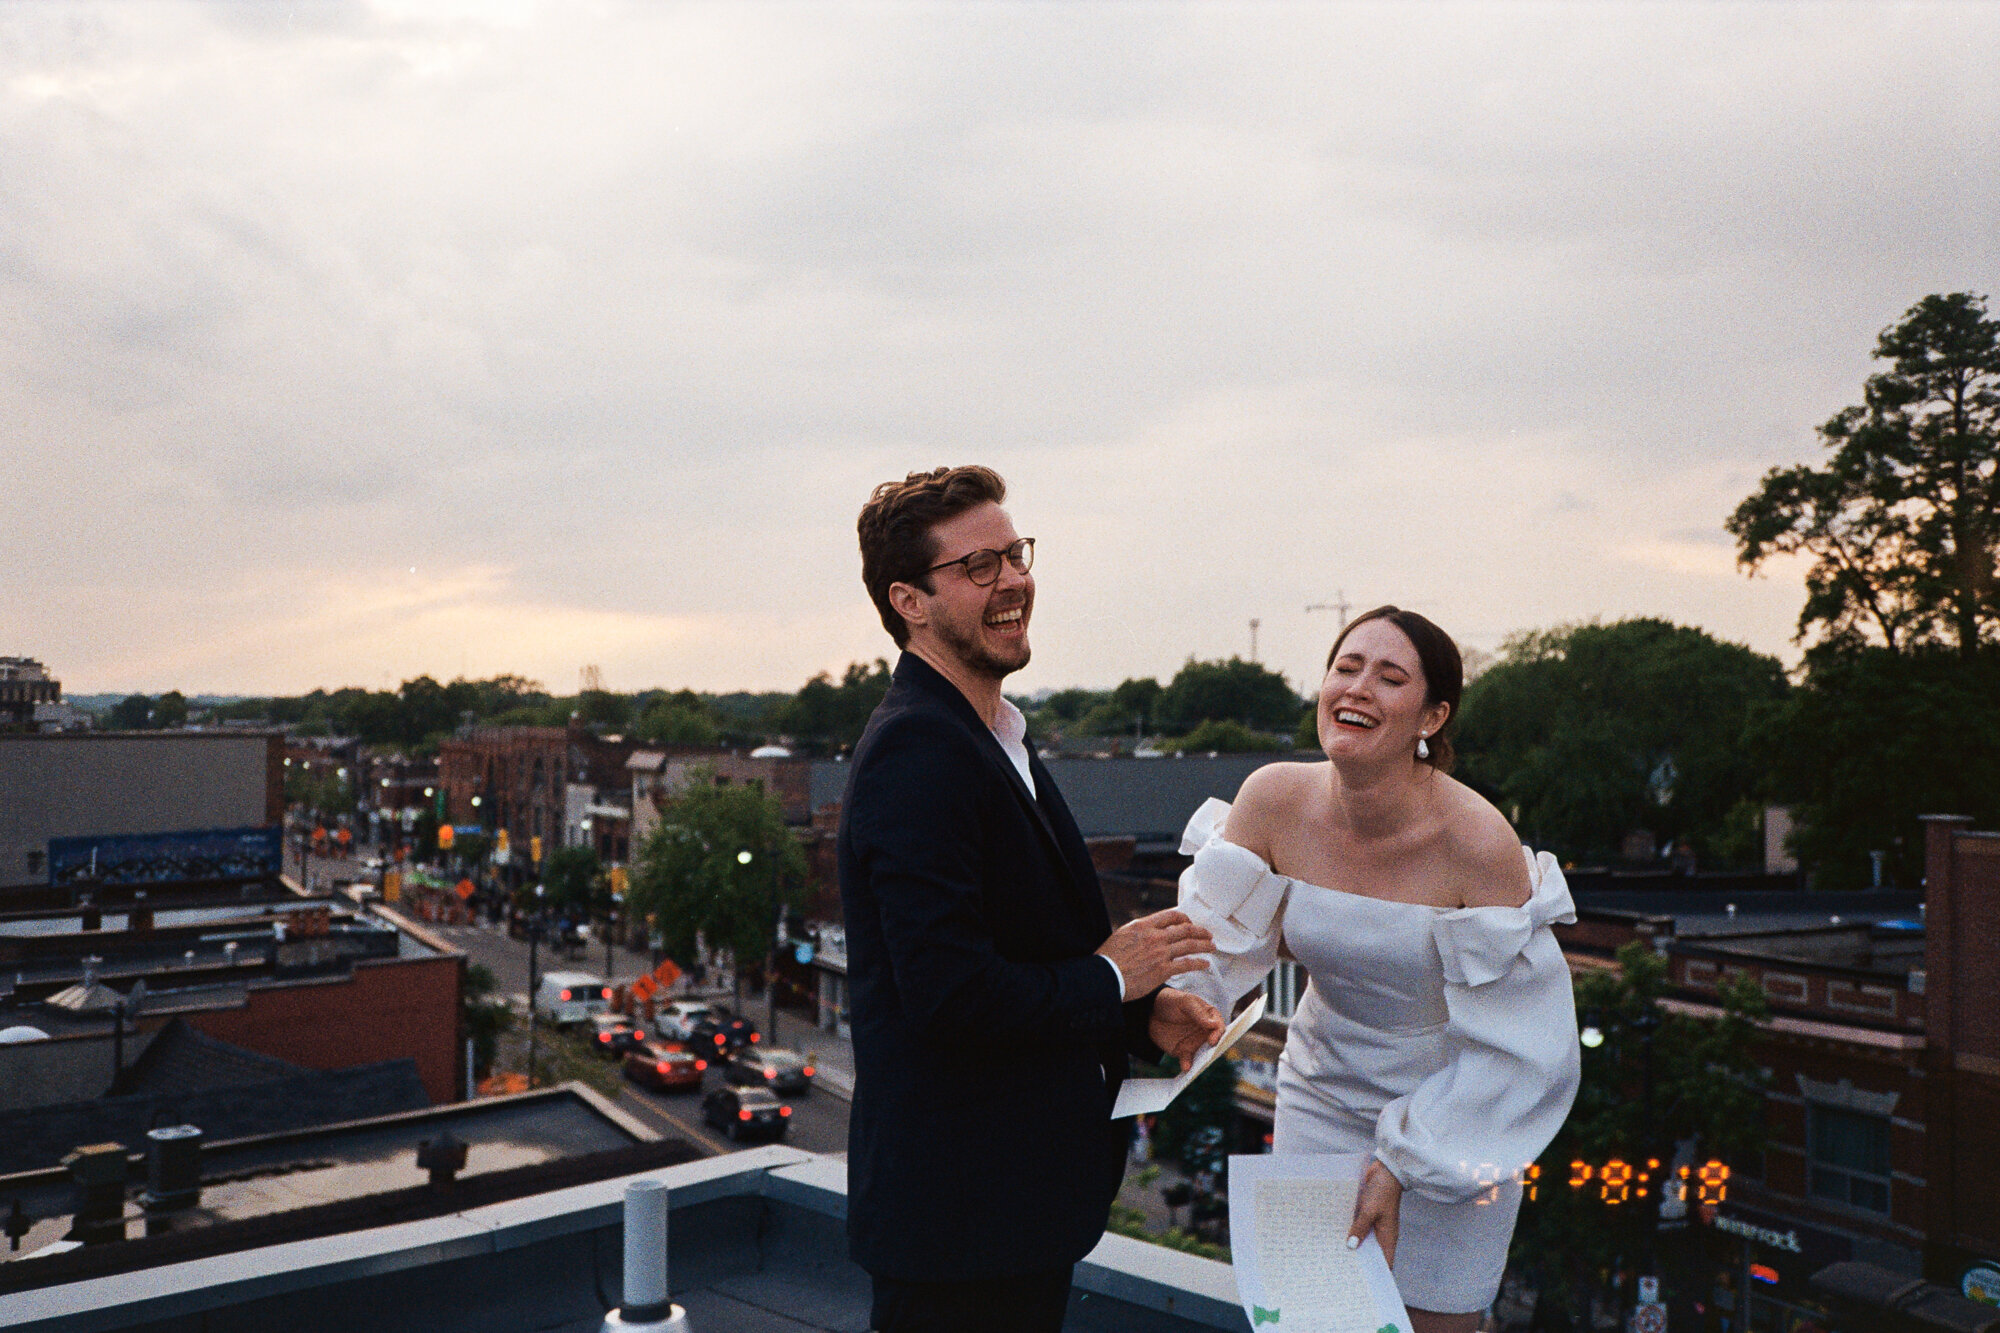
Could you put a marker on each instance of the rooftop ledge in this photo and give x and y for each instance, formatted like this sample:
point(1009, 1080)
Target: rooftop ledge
point(756, 1240)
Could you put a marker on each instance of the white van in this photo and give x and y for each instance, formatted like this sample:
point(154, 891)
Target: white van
point(571, 997)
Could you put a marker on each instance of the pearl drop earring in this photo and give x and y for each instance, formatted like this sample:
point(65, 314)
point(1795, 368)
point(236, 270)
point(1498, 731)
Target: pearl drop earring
point(1423, 748)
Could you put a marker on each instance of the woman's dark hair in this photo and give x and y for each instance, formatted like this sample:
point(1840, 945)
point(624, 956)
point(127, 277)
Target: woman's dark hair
point(1444, 670)
point(897, 544)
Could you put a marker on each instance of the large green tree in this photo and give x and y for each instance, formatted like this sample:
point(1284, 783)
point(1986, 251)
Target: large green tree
point(833, 715)
point(1656, 1083)
point(1902, 523)
point(718, 866)
point(679, 719)
point(1873, 739)
point(1226, 691)
point(1584, 733)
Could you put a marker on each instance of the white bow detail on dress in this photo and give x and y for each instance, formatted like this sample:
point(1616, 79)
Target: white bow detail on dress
point(1479, 944)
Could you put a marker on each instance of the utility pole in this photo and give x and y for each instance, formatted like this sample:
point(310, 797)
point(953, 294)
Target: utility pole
point(1254, 623)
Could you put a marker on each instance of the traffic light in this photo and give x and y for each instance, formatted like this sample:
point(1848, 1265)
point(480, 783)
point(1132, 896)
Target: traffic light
point(500, 840)
point(445, 836)
point(535, 849)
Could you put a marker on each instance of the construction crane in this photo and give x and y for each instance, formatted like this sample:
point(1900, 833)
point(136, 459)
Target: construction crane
point(1340, 604)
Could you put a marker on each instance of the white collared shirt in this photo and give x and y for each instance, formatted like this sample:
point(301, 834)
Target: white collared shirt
point(1011, 730)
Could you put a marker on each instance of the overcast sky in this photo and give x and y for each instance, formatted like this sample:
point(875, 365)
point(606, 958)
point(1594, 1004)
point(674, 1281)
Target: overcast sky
point(344, 342)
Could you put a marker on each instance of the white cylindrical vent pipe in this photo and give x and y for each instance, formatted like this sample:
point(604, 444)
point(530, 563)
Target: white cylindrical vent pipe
point(645, 1246)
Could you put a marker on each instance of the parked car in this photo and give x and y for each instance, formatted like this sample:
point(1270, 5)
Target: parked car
point(613, 1035)
point(676, 1021)
point(667, 1066)
point(565, 998)
point(771, 1067)
point(746, 1112)
point(723, 1032)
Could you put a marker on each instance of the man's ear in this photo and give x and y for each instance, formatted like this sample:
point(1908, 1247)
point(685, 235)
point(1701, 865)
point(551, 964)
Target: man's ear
point(908, 603)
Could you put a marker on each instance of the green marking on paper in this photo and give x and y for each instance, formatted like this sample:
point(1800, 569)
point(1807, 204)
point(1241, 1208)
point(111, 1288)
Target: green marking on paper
point(1259, 1315)
point(1386, 1328)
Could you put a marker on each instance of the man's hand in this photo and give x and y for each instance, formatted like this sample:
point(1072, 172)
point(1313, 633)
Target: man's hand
point(1378, 1208)
point(1153, 948)
point(1182, 1024)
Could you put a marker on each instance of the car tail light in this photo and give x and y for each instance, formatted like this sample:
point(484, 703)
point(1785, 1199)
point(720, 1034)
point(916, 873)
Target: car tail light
point(784, 1110)
point(565, 995)
point(700, 1065)
point(719, 1039)
point(753, 1036)
point(742, 1115)
point(807, 1071)
point(606, 992)
point(660, 1068)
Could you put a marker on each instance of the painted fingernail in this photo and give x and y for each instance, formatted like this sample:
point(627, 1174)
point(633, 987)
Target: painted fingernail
point(1354, 1242)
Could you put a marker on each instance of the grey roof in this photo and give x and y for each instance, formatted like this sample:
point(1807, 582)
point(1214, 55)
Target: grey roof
point(182, 1060)
point(42, 1136)
point(1147, 799)
point(756, 1243)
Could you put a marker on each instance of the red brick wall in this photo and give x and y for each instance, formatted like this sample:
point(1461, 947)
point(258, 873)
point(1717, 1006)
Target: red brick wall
point(1962, 966)
point(382, 1011)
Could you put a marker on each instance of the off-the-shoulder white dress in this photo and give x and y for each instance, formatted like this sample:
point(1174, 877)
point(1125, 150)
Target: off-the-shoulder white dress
point(1441, 1040)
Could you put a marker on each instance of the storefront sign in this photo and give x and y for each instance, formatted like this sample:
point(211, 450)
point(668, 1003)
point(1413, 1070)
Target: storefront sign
point(1777, 1240)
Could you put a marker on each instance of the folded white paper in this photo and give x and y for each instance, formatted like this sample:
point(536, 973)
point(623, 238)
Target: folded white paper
point(1288, 1222)
point(1150, 1096)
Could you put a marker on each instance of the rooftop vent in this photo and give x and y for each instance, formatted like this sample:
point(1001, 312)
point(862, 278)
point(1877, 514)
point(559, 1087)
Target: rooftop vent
point(173, 1167)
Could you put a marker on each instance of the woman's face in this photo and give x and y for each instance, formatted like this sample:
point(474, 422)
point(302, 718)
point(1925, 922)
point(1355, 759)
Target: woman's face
point(1371, 703)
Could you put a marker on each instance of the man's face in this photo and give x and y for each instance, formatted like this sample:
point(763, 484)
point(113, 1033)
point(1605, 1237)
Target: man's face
point(984, 629)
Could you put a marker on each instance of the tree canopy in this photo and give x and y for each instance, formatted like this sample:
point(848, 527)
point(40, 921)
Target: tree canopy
point(1226, 691)
point(1902, 523)
point(830, 714)
point(1585, 733)
point(718, 866)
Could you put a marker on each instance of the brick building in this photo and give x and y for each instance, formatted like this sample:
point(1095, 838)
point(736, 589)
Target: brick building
point(518, 778)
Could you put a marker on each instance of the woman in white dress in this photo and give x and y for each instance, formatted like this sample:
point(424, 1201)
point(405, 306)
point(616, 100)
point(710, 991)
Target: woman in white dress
point(1438, 1032)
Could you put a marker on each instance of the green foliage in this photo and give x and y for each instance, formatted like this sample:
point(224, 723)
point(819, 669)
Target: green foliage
point(575, 881)
point(1705, 1086)
point(831, 715)
point(1208, 1102)
point(132, 713)
point(1224, 738)
point(319, 789)
point(1873, 739)
point(1231, 691)
point(689, 878)
point(603, 710)
point(1583, 733)
point(485, 1018)
point(1129, 1221)
point(1903, 522)
point(679, 719)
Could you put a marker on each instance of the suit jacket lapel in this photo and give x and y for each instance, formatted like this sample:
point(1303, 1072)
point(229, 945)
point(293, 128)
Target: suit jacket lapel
point(922, 675)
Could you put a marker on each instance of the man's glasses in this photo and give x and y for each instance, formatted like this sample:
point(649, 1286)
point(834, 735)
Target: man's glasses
point(983, 566)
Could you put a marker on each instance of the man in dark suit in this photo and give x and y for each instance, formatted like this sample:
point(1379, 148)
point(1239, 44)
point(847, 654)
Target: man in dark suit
point(993, 1005)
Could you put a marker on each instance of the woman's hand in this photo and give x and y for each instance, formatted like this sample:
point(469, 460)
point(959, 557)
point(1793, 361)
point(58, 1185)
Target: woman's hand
point(1377, 1208)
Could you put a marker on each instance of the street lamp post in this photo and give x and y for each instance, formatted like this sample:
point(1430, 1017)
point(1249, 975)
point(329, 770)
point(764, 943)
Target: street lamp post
point(534, 981)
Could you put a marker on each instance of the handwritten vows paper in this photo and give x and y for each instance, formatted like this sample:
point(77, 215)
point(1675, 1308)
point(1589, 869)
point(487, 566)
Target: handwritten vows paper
point(1288, 1223)
point(1149, 1096)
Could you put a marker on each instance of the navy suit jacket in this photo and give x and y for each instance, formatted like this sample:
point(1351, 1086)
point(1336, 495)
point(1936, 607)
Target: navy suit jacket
point(989, 1042)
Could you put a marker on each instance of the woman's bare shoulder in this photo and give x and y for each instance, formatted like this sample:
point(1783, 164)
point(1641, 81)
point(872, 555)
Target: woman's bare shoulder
point(1268, 800)
point(1484, 849)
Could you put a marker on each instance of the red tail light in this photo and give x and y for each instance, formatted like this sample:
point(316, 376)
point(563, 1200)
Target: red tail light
point(606, 992)
point(770, 1073)
point(807, 1071)
point(753, 1036)
point(660, 1068)
point(784, 1110)
point(719, 1039)
point(700, 1065)
point(565, 995)
point(742, 1115)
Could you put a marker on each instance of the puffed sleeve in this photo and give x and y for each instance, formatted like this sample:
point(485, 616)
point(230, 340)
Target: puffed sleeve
point(1230, 890)
point(1512, 1062)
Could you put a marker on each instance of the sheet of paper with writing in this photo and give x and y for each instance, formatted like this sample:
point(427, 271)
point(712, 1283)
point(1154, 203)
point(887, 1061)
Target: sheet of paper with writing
point(1150, 1096)
point(1288, 1223)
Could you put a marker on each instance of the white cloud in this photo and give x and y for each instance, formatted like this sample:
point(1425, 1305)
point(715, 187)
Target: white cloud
point(1480, 306)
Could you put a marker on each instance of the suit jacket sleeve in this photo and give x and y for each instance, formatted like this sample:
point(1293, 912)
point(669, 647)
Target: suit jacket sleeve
point(917, 815)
